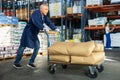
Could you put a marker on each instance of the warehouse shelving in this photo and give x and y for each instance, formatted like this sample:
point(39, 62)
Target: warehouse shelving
point(0, 5)
point(101, 27)
point(72, 18)
point(104, 8)
point(96, 9)
point(30, 7)
point(72, 15)
point(114, 17)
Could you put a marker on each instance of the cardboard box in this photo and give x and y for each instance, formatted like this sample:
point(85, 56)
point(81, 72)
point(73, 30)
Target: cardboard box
point(89, 2)
point(69, 10)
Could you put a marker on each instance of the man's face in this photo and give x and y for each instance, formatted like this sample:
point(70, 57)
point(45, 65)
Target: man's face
point(108, 24)
point(44, 10)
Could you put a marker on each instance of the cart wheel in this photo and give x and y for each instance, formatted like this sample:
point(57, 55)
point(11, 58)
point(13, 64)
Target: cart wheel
point(64, 66)
point(51, 69)
point(94, 74)
point(100, 68)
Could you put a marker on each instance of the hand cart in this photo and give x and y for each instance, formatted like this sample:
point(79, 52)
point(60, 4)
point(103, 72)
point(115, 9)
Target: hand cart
point(93, 69)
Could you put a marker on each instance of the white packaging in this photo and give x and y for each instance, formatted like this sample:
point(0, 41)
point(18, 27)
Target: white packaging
point(51, 9)
point(28, 51)
point(55, 9)
point(97, 2)
point(43, 41)
point(79, 9)
point(5, 36)
point(1, 56)
point(101, 20)
point(38, 0)
point(1, 48)
point(75, 9)
point(118, 12)
point(91, 22)
point(8, 48)
point(3, 52)
point(13, 51)
point(7, 55)
point(89, 2)
point(116, 21)
point(115, 1)
point(115, 40)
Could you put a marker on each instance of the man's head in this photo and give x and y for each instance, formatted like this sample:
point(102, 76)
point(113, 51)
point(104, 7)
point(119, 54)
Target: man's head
point(44, 9)
point(107, 24)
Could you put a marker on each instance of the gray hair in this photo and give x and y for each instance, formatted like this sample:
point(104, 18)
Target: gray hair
point(45, 4)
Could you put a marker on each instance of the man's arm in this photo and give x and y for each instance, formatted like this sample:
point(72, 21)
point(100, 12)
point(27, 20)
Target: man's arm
point(49, 23)
point(37, 20)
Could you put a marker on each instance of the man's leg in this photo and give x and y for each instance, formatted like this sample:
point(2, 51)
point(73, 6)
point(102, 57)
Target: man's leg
point(108, 41)
point(35, 52)
point(18, 57)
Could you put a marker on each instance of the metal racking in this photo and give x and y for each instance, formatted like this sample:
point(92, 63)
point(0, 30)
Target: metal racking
point(65, 19)
point(101, 9)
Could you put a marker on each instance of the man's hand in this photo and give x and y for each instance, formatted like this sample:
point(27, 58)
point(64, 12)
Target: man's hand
point(46, 28)
point(57, 30)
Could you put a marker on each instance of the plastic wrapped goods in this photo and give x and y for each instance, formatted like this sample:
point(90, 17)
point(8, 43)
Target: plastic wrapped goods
point(7, 7)
point(22, 11)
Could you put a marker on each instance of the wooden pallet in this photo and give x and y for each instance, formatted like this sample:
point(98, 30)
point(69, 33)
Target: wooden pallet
point(74, 14)
point(5, 25)
point(1, 59)
point(115, 25)
point(27, 55)
point(7, 58)
point(96, 25)
point(43, 53)
point(24, 56)
point(53, 17)
point(95, 5)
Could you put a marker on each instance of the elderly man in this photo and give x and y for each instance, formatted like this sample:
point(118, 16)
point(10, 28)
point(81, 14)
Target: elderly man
point(29, 37)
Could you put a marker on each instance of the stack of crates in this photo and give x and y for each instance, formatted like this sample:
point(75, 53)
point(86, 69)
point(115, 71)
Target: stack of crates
point(7, 7)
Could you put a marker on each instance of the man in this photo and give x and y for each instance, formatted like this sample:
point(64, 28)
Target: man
point(107, 31)
point(29, 37)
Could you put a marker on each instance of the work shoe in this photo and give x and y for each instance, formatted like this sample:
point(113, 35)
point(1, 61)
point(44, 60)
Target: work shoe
point(17, 66)
point(32, 66)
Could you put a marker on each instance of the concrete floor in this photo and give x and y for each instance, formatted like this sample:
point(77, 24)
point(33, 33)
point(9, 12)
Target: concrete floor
point(73, 72)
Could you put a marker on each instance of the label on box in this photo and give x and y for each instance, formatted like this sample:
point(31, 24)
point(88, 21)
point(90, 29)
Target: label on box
point(118, 12)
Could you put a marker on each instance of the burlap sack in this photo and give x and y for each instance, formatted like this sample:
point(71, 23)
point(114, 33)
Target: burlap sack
point(82, 49)
point(94, 58)
point(59, 58)
point(59, 48)
point(98, 47)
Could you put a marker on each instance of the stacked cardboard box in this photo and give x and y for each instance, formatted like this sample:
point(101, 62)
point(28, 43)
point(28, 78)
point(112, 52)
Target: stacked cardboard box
point(97, 21)
point(21, 9)
point(94, 2)
point(115, 1)
point(10, 40)
point(0, 5)
point(46, 41)
point(56, 8)
point(6, 47)
point(116, 22)
point(115, 40)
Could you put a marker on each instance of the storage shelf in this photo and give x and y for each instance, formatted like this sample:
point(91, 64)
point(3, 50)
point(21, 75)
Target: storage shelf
point(104, 8)
point(71, 15)
point(94, 28)
point(57, 17)
point(101, 27)
point(4, 25)
point(67, 15)
point(114, 17)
